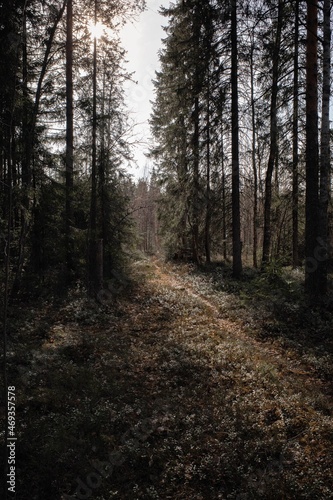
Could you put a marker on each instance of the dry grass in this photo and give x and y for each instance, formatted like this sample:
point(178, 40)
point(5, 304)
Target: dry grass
point(181, 387)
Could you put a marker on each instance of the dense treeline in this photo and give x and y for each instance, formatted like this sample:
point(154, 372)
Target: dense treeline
point(241, 129)
point(242, 137)
point(64, 135)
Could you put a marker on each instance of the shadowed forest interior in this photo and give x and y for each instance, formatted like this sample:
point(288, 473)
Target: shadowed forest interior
point(168, 336)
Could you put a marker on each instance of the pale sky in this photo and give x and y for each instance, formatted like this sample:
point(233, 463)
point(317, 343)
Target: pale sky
point(142, 41)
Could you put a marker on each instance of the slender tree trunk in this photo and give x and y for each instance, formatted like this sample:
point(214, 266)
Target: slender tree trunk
point(25, 173)
point(93, 244)
point(7, 290)
point(325, 163)
point(103, 156)
point(254, 166)
point(295, 192)
point(27, 170)
point(195, 200)
point(69, 140)
point(236, 238)
point(224, 202)
point(312, 161)
point(273, 138)
point(196, 140)
point(103, 165)
point(9, 133)
point(208, 190)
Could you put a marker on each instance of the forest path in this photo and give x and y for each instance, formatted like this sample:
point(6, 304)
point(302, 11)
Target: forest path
point(170, 379)
point(235, 328)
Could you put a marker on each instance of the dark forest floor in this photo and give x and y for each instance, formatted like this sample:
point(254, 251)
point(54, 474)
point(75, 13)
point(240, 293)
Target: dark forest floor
point(187, 386)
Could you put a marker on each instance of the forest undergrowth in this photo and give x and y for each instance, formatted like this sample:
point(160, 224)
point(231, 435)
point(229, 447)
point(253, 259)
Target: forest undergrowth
point(186, 385)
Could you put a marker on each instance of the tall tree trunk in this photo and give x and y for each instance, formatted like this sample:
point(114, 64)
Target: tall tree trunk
point(196, 139)
point(103, 164)
point(273, 138)
point(9, 133)
point(236, 239)
point(208, 190)
point(254, 166)
point(9, 200)
point(25, 173)
point(69, 139)
point(224, 202)
point(312, 167)
point(195, 199)
point(27, 170)
point(94, 268)
point(295, 192)
point(325, 163)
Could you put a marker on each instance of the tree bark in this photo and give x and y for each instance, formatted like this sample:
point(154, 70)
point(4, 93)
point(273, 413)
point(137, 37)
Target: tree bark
point(325, 163)
point(195, 199)
point(254, 167)
point(69, 140)
point(236, 238)
point(295, 190)
point(196, 138)
point(273, 138)
point(208, 190)
point(224, 201)
point(312, 160)
point(93, 264)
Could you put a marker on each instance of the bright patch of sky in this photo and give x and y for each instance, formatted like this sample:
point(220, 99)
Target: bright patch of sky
point(142, 41)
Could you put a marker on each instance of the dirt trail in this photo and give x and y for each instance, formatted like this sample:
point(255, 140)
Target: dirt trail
point(286, 362)
point(192, 404)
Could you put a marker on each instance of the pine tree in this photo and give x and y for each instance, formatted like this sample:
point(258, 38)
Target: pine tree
point(187, 104)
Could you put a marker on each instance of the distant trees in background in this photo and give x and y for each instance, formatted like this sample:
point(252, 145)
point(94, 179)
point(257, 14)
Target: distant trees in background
point(241, 133)
point(145, 199)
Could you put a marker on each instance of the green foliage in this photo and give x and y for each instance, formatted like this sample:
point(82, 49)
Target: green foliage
point(188, 101)
point(33, 143)
point(119, 235)
point(272, 272)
